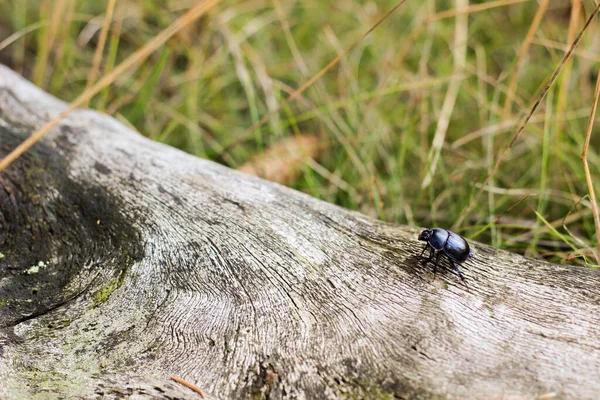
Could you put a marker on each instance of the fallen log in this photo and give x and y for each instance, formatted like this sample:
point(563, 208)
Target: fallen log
point(125, 262)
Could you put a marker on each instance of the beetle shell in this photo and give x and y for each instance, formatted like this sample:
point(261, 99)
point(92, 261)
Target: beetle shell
point(438, 238)
point(457, 247)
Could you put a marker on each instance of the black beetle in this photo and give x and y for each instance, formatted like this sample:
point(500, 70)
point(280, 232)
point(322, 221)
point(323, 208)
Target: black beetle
point(454, 246)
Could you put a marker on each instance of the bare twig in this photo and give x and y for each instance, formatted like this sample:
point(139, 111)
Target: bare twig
point(141, 54)
point(588, 176)
point(541, 97)
point(188, 385)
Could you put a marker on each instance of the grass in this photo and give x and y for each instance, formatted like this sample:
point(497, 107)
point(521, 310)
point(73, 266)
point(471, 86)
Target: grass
point(410, 122)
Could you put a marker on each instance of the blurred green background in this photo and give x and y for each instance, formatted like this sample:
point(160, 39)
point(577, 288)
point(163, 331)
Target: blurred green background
point(365, 130)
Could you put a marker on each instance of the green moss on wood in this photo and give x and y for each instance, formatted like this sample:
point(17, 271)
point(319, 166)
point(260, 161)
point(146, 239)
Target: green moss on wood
point(102, 295)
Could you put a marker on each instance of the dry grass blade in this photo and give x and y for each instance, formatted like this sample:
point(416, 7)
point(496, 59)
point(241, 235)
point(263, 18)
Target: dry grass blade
point(285, 24)
point(472, 9)
point(497, 218)
point(283, 161)
point(460, 54)
point(566, 228)
point(19, 34)
point(141, 54)
point(527, 236)
point(496, 129)
point(100, 47)
point(551, 44)
point(46, 47)
point(306, 85)
point(541, 97)
point(449, 14)
point(586, 167)
point(512, 87)
point(564, 84)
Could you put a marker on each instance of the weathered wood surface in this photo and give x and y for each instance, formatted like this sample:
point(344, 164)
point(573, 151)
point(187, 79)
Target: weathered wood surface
point(127, 261)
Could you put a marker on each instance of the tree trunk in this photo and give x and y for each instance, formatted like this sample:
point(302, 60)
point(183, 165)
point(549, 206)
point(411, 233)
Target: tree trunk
point(126, 261)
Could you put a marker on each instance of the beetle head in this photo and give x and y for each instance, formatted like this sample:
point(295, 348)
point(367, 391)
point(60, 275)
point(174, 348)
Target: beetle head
point(425, 235)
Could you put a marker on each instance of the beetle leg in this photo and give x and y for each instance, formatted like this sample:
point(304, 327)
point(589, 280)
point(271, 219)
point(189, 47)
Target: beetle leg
point(437, 259)
point(431, 253)
point(425, 248)
point(458, 272)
